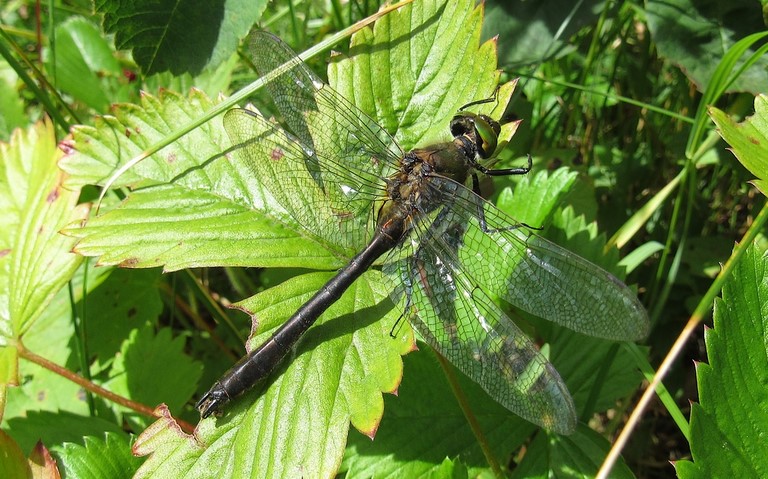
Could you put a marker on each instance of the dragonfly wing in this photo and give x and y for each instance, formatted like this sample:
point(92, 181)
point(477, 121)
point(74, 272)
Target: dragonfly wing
point(326, 122)
point(461, 322)
point(536, 275)
point(283, 167)
point(291, 83)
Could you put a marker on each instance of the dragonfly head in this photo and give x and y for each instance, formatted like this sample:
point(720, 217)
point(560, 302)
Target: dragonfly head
point(482, 130)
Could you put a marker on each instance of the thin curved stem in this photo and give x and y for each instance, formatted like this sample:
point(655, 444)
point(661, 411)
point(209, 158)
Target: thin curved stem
point(93, 388)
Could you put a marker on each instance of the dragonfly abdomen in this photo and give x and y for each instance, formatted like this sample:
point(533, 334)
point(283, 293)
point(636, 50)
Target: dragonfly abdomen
point(259, 363)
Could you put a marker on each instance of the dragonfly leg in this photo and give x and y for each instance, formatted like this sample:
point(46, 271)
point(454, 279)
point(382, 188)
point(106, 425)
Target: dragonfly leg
point(503, 172)
point(522, 170)
point(494, 97)
point(408, 292)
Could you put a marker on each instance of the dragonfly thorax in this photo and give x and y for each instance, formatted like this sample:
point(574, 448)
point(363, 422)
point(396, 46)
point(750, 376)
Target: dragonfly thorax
point(409, 193)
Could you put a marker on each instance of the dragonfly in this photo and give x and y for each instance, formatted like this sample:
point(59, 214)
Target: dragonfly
point(418, 216)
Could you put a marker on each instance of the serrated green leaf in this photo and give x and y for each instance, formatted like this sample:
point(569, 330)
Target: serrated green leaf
point(55, 428)
point(95, 152)
point(35, 259)
point(435, 73)
point(153, 369)
point(205, 210)
point(536, 196)
point(730, 421)
point(175, 228)
point(341, 367)
point(574, 233)
point(179, 36)
point(748, 139)
point(108, 457)
point(368, 358)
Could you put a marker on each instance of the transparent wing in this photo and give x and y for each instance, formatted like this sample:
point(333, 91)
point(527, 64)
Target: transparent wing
point(459, 320)
point(283, 167)
point(507, 260)
point(332, 128)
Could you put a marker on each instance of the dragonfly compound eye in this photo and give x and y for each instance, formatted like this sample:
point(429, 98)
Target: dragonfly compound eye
point(487, 130)
point(482, 129)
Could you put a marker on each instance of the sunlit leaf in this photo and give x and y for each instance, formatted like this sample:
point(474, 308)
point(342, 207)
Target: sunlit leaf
point(748, 139)
point(35, 259)
point(728, 422)
point(108, 457)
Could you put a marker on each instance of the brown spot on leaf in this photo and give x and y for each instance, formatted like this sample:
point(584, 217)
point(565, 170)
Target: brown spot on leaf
point(53, 195)
point(129, 263)
point(277, 154)
point(67, 146)
point(753, 140)
point(5, 252)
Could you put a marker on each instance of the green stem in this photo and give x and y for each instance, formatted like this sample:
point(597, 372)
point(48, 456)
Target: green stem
point(471, 419)
point(98, 390)
point(702, 309)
